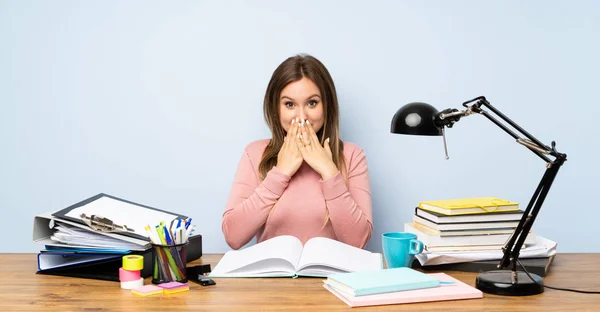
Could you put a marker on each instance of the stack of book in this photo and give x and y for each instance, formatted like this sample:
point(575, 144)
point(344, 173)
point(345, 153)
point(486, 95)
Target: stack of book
point(469, 228)
point(396, 286)
point(483, 223)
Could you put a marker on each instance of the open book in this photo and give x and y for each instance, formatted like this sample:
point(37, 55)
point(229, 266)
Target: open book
point(285, 256)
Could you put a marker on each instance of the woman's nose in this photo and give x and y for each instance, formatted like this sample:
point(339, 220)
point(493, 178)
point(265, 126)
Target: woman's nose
point(302, 115)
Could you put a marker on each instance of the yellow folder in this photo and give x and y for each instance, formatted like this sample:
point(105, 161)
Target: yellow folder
point(462, 206)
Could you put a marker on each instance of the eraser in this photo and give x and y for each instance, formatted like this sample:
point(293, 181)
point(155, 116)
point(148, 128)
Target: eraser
point(147, 290)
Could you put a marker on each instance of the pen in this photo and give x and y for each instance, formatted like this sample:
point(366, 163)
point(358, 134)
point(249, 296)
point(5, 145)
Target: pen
point(163, 238)
point(161, 235)
point(171, 226)
point(188, 232)
point(174, 253)
point(153, 239)
point(167, 236)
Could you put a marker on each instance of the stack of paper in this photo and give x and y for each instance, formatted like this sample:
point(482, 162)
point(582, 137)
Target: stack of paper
point(543, 248)
point(71, 235)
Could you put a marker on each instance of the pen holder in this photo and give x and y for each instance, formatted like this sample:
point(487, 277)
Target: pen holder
point(169, 263)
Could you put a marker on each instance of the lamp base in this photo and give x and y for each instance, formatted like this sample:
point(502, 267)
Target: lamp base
point(499, 282)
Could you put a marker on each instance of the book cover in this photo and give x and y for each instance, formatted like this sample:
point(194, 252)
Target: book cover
point(431, 231)
point(469, 218)
point(455, 226)
point(381, 281)
point(462, 248)
point(476, 205)
point(455, 290)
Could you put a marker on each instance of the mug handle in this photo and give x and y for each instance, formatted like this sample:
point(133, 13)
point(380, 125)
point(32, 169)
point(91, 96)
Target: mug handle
point(415, 243)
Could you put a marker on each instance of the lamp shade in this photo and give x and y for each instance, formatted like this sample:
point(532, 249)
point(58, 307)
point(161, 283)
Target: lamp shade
point(415, 118)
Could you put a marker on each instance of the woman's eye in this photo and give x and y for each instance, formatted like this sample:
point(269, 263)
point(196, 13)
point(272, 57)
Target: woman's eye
point(289, 104)
point(313, 103)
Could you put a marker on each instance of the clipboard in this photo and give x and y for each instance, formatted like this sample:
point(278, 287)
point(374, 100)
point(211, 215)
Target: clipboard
point(124, 217)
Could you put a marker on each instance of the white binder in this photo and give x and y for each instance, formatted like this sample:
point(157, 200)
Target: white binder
point(114, 212)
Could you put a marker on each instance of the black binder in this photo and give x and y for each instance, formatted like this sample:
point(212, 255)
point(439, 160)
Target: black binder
point(108, 270)
point(539, 266)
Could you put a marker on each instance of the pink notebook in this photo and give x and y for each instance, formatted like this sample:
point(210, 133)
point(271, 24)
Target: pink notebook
point(456, 291)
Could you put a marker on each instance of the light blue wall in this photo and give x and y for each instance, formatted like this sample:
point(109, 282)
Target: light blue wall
point(154, 101)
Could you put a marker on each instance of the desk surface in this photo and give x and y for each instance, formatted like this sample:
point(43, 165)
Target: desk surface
point(23, 290)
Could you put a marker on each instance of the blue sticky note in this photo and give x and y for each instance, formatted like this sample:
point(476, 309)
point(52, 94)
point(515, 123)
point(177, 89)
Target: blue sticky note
point(381, 281)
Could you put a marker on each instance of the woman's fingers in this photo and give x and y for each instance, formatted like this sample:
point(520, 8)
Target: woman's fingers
point(300, 144)
point(293, 133)
point(305, 134)
point(312, 134)
point(286, 135)
point(327, 148)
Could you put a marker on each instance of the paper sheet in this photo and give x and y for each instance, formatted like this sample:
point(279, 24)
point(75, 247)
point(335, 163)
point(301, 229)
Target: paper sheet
point(542, 248)
point(122, 213)
point(75, 236)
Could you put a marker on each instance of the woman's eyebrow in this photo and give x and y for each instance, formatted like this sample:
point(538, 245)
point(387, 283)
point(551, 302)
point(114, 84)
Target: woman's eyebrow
point(289, 98)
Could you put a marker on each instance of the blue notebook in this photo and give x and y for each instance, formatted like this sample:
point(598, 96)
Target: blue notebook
point(380, 281)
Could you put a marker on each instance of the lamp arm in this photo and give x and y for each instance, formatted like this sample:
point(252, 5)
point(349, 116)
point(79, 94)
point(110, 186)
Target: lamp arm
point(513, 246)
point(539, 148)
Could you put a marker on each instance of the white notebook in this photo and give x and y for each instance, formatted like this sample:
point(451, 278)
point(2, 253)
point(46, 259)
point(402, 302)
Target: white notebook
point(463, 240)
point(285, 256)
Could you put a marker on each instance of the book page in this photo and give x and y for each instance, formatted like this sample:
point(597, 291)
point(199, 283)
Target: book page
point(324, 254)
point(277, 256)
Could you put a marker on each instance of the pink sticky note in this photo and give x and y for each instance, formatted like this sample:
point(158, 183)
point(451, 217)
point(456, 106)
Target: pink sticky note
point(147, 290)
point(172, 285)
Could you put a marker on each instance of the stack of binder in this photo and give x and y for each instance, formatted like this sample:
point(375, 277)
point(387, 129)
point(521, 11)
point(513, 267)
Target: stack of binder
point(89, 238)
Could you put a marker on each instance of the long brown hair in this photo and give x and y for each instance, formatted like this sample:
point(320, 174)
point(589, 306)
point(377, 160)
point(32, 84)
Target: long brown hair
point(291, 70)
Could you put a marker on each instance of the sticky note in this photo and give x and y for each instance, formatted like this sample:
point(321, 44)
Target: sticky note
point(176, 290)
point(174, 287)
point(147, 290)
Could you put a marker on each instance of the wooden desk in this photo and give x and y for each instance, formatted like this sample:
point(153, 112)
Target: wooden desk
point(23, 290)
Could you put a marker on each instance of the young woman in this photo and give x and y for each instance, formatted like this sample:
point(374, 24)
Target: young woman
point(304, 181)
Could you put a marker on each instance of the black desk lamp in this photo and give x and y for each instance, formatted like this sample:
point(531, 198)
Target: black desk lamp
point(424, 119)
